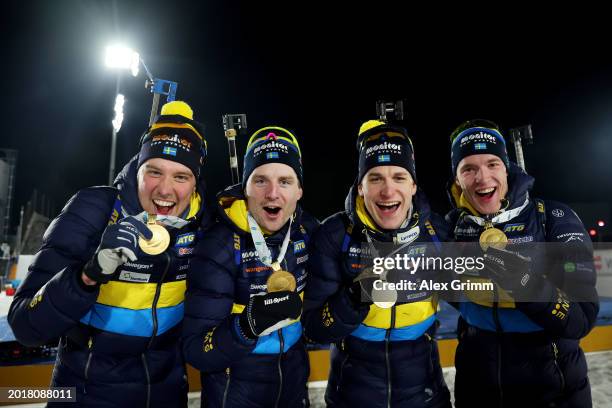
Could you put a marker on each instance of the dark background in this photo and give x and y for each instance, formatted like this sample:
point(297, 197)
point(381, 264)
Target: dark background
point(316, 68)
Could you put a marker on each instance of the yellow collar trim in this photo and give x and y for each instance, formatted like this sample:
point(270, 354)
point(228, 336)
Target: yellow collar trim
point(363, 215)
point(460, 199)
point(195, 202)
point(237, 213)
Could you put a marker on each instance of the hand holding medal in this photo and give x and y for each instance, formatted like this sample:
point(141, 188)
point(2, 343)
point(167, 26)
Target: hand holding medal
point(159, 241)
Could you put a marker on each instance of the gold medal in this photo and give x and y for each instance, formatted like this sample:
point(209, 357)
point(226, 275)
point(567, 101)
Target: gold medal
point(384, 298)
point(281, 280)
point(159, 241)
point(493, 237)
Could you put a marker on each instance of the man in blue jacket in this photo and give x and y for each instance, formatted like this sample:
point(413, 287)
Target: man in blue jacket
point(380, 357)
point(116, 309)
point(519, 344)
point(244, 293)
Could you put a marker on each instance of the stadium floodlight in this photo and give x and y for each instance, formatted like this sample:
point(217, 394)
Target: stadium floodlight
point(118, 119)
point(118, 56)
point(122, 57)
point(117, 122)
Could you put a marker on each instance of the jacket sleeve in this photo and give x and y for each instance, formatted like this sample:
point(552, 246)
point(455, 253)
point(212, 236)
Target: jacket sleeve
point(329, 314)
point(570, 302)
point(52, 298)
point(210, 340)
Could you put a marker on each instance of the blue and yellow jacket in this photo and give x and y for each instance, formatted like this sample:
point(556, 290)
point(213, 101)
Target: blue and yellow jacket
point(498, 337)
point(226, 273)
point(378, 344)
point(123, 333)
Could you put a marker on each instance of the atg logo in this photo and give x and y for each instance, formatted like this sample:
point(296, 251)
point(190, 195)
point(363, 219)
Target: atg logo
point(184, 239)
point(299, 246)
point(514, 227)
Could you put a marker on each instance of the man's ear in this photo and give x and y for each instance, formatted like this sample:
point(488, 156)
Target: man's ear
point(360, 190)
point(300, 193)
point(457, 182)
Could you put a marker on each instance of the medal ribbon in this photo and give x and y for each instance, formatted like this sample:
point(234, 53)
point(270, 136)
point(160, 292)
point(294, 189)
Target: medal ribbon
point(263, 252)
point(498, 219)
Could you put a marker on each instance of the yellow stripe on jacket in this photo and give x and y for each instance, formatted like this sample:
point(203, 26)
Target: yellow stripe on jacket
point(406, 314)
point(137, 296)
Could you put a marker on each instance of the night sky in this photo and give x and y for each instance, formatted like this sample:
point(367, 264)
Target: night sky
point(317, 69)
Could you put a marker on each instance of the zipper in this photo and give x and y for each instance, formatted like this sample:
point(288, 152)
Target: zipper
point(148, 377)
point(227, 384)
point(87, 364)
point(498, 330)
point(558, 368)
point(280, 368)
point(344, 360)
point(431, 350)
point(156, 299)
point(387, 362)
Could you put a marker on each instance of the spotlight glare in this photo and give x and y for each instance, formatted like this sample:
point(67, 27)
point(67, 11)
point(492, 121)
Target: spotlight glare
point(118, 120)
point(122, 57)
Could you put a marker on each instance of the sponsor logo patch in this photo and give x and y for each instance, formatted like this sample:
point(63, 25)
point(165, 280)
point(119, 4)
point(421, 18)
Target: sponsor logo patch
point(299, 246)
point(520, 240)
point(514, 227)
point(184, 239)
point(557, 212)
point(479, 136)
point(185, 251)
point(128, 276)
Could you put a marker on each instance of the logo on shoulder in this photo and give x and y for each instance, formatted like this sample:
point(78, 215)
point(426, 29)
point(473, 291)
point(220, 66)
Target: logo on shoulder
point(557, 212)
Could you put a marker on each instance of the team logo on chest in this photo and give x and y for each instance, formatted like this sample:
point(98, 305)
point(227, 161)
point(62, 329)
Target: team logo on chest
point(184, 240)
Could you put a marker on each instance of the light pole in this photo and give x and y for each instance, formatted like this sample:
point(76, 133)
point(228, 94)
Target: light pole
point(125, 58)
point(117, 121)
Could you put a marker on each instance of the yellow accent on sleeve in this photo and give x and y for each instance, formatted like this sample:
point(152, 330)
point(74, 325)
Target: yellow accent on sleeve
point(138, 296)
point(237, 308)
